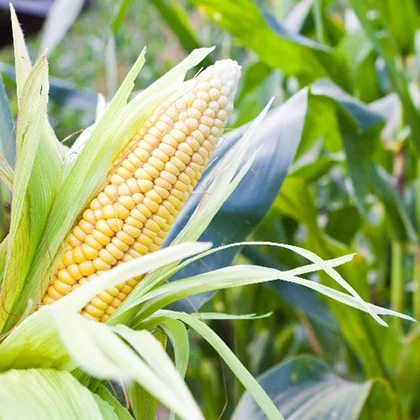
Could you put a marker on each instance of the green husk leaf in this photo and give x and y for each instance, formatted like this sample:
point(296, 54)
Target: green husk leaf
point(31, 120)
point(35, 343)
point(227, 176)
point(151, 350)
point(178, 336)
point(48, 394)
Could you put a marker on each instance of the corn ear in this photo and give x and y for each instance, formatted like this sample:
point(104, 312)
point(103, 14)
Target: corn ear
point(148, 186)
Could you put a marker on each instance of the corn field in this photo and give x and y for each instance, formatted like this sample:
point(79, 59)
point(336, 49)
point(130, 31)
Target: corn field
point(210, 209)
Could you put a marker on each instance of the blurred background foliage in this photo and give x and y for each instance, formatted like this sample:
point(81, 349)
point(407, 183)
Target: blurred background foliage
point(353, 185)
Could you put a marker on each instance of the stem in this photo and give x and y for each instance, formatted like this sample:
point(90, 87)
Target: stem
point(416, 271)
point(397, 257)
point(397, 277)
point(416, 279)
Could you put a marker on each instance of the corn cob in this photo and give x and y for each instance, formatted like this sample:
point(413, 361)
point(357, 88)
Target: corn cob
point(151, 181)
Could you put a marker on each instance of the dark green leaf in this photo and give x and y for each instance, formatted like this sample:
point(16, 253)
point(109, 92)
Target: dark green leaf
point(305, 388)
point(121, 412)
point(343, 223)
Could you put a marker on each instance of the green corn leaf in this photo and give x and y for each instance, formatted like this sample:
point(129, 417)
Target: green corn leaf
point(162, 275)
point(275, 45)
point(397, 77)
point(178, 336)
point(7, 135)
point(247, 380)
point(128, 355)
point(304, 387)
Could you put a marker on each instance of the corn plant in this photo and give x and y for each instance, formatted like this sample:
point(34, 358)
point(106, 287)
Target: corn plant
point(84, 287)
